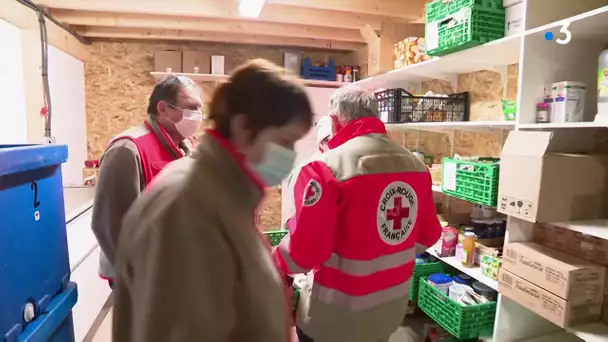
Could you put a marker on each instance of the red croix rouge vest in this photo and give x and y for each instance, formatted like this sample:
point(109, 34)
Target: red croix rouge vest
point(154, 153)
point(156, 150)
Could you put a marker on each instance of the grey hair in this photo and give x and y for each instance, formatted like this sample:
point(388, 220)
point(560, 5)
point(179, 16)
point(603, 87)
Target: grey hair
point(349, 105)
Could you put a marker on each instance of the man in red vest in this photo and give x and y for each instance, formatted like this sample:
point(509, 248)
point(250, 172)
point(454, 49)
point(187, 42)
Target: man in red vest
point(136, 156)
point(360, 209)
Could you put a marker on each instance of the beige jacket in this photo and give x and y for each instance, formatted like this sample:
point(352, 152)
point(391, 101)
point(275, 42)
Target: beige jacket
point(190, 264)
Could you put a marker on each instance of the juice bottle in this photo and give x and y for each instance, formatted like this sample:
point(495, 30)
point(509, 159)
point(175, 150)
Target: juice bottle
point(468, 244)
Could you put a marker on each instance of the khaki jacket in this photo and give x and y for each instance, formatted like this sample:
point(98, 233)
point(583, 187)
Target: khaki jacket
point(191, 265)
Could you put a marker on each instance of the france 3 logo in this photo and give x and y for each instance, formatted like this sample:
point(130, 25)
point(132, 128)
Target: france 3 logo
point(564, 32)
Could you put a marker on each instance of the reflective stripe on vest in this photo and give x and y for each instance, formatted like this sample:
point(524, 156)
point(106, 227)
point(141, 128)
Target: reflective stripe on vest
point(359, 303)
point(350, 266)
point(283, 249)
point(367, 267)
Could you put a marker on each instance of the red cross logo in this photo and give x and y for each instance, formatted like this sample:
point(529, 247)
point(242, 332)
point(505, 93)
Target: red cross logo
point(310, 193)
point(398, 213)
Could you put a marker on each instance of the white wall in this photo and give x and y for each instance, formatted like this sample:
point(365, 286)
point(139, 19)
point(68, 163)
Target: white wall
point(13, 119)
point(66, 82)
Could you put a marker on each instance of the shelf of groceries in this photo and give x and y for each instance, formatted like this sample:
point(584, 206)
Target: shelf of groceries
point(540, 268)
point(402, 110)
point(551, 268)
point(493, 55)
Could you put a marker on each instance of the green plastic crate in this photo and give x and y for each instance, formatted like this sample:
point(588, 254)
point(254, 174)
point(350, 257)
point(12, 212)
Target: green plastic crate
point(462, 24)
point(462, 321)
point(275, 236)
point(476, 181)
point(423, 270)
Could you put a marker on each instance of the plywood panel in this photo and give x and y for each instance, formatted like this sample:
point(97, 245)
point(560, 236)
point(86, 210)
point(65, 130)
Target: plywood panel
point(118, 85)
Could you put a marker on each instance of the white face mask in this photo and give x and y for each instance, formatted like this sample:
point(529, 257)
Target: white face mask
point(277, 165)
point(190, 122)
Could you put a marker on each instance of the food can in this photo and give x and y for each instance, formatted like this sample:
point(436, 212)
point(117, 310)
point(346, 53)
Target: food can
point(356, 73)
point(348, 73)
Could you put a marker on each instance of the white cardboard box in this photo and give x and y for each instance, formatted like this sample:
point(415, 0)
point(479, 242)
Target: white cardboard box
point(548, 177)
point(514, 19)
point(217, 65)
point(507, 3)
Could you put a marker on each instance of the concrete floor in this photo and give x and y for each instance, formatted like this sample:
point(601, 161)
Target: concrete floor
point(410, 332)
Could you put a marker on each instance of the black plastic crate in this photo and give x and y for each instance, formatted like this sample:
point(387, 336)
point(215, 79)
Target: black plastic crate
point(400, 106)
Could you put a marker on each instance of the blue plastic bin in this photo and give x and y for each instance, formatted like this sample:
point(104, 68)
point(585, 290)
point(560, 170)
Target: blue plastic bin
point(34, 264)
point(56, 324)
point(323, 73)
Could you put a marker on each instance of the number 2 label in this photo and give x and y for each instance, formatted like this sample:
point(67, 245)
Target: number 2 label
point(34, 188)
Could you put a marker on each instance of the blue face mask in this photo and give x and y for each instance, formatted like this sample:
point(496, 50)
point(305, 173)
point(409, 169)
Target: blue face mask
point(277, 165)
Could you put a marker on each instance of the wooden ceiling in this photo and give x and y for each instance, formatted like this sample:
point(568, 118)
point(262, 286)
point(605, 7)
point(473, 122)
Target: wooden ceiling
point(326, 24)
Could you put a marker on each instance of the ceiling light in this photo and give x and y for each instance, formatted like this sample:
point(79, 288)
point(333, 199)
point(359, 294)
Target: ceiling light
point(250, 8)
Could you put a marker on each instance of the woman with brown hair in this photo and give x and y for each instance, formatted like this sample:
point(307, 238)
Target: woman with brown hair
point(191, 265)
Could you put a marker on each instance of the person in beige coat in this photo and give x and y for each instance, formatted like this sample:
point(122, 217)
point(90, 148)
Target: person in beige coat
point(191, 266)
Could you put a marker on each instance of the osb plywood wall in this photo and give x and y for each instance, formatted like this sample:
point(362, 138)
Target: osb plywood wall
point(486, 89)
point(118, 85)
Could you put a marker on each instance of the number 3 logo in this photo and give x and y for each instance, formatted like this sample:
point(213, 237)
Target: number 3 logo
point(564, 30)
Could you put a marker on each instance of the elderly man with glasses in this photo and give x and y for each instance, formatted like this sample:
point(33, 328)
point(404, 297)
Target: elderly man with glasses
point(359, 211)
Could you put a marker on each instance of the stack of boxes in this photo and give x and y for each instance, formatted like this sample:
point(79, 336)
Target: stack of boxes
point(514, 17)
point(564, 289)
point(551, 177)
point(566, 100)
point(191, 62)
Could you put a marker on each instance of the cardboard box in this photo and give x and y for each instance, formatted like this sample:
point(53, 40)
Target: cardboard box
point(514, 19)
point(562, 274)
point(217, 65)
point(586, 239)
point(604, 316)
point(544, 303)
point(165, 60)
point(409, 51)
point(507, 3)
point(292, 62)
point(545, 178)
point(568, 103)
point(196, 62)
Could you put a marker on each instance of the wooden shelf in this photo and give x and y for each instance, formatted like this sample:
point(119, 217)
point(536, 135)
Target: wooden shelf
point(474, 272)
point(565, 125)
point(491, 56)
point(590, 25)
point(223, 78)
point(592, 332)
point(474, 126)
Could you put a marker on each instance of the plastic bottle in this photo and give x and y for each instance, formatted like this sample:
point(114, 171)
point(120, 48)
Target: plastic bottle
point(470, 248)
point(602, 87)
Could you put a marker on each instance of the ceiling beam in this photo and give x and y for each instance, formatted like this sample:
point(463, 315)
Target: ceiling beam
point(409, 9)
point(160, 34)
point(225, 10)
point(146, 21)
